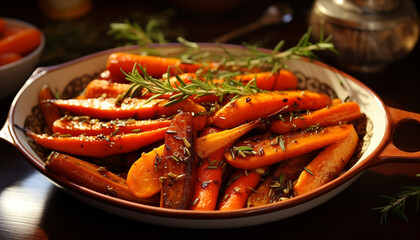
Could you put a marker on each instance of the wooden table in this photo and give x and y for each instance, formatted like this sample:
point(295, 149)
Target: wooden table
point(31, 207)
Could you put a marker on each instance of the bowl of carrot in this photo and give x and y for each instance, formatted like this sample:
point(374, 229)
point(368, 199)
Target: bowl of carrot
point(220, 138)
point(21, 45)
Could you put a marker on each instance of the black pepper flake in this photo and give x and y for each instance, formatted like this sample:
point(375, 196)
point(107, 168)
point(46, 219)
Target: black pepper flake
point(247, 99)
point(285, 99)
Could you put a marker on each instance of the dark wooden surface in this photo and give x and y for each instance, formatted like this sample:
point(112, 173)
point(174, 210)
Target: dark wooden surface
point(31, 207)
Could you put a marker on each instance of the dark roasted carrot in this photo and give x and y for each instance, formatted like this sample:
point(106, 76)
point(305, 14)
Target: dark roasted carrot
point(49, 111)
point(6, 58)
point(177, 166)
point(98, 146)
point(78, 125)
point(283, 80)
point(208, 178)
point(252, 107)
point(282, 147)
point(93, 177)
point(327, 164)
point(22, 42)
point(143, 177)
point(279, 185)
point(331, 115)
point(211, 143)
point(240, 186)
point(129, 108)
point(154, 66)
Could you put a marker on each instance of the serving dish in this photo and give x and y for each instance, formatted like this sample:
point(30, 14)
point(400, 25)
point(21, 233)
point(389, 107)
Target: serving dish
point(377, 148)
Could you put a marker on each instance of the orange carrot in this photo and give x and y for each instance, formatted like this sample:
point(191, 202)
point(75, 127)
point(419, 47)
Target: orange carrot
point(240, 186)
point(143, 177)
point(208, 178)
point(75, 125)
point(332, 115)
point(279, 185)
point(252, 107)
point(282, 147)
point(129, 108)
point(283, 80)
point(6, 58)
point(22, 42)
point(154, 66)
point(327, 164)
point(211, 143)
point(49, 111)
point(93, 177)
point(177, 166)
point(98, 146)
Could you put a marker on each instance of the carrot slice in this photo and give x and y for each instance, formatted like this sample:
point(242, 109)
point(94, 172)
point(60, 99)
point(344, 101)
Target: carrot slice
point(6, 58)
point(49, 111)
point(279, 185)
point(327, 164)
point(240, 187)
point(282, 147)
point(143, 177)
point(211, 143)
point(208, 178)
point(283, 80)
point(129, 108)
point(177, 166)
point(252, 107)
point(332, 115)
point(92, 177)
point(98, 146)
point(22, 42)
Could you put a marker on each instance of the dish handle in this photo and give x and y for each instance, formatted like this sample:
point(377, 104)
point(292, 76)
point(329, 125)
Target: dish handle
point(5, 133)
point(392, 153)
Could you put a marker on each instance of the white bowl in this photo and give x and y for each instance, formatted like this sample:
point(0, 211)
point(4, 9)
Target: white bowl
point(14, 75)
point(378, 148)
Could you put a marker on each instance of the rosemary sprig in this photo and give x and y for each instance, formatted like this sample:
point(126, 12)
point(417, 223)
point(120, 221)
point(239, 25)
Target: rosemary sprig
point(396, 204)
point(197, 88)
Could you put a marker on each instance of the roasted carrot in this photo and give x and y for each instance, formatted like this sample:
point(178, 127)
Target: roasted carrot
point(277, 149)
point(208, 178)
point(279, 185)
point(80, 125)
point(252, 107)
point(93, 177)
point(129, 108)
point(211, 143)
point(283, 80)
point(143, 177)
point(49, 111)
point(22, 42)
point(177, 166)
point(98, 146)
point(327, 164)
point(331, 115)
point(6, 58)
point(154, 66)
point(240, 186)
point(104, 88)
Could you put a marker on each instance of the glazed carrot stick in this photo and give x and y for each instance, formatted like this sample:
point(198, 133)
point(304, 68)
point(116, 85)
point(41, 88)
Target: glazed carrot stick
point(49, 111)
point(279, 185)
point(22, 42)
point(327, 164)
point(177, 166)
point(211, 143)
point(129, 108)
point(93, 177)
point(79, 125)
point(98, 146)
point(261, 105)
point(6, 58)
point(240, 186)
point(282, 147)
point(208, 178)
point(283, 80)
point(331, 115)
point(143, 177)
point(154, 66)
